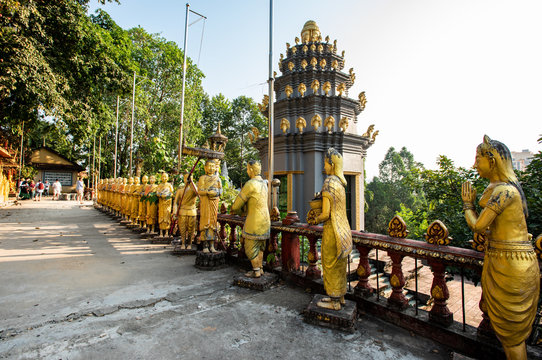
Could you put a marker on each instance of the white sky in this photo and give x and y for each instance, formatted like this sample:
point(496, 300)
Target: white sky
point(438, 74)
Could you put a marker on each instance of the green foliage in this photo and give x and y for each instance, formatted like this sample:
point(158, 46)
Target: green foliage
point(395, 185)
point(229, 193)
point(237, 118)
point(531, 182)
point(28, 172)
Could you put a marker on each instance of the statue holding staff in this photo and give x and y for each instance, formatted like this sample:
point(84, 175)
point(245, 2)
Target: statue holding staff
point(209, 190)
point(164, 191)
point(185, 212)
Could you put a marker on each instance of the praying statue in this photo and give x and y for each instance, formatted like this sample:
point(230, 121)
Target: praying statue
point(337, 236)
point(511, 275)
point(142, 203)
point(184, 210)
point(152, 204)
point(164, 191)
point(252, 202)
point(209, 190)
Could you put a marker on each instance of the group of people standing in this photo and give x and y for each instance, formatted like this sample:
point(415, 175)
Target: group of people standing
point(29, 189)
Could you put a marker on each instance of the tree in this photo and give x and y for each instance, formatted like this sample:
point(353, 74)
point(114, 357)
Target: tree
point(395, 185)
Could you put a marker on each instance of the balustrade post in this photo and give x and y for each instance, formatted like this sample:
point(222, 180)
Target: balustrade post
point(397, 282)
point(439, 291)
point(364, 271)
point(290, 245)
point(312, 271)
point(232, 249)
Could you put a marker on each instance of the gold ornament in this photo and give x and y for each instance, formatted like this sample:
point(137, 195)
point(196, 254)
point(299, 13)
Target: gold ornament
point(316, 122)
point(341, 89)
point(305, 48)
point(300, 124)
point(315, 85)
point(362, 100)
point(313, 47)
point(329, 123)
point(320, 48)
point(334, 64)
point(303, 64)
point(323, 63)
point(288, 90)
point(284, 125)
point(314, 62)
point(343, 124)
point(397, 227)
point(302, 88)
point(437, 234)
point(294, 50)
point(326, 87)
point(291, 65)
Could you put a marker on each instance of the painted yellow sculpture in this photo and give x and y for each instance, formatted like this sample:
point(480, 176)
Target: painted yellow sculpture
point(164, 191)
point(209, 190)
point(510, 276)
point(184, 210)
point(151, 200)
point(337, 236)
point(142, 211)
point(252, 202)
point(134, 202)
point(127, 199)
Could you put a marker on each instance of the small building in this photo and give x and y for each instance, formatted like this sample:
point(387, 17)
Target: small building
point(520, 160)
point(51, 166)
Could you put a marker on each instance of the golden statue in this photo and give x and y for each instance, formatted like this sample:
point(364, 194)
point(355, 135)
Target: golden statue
point(315, 85)
point(134, 202)
point(302, 88)
point(337, 236)
point(122, 198)
point(116, 196)
point(316, 122)
point(284, 125)
point(151, 199)
point(142, 203)
point(510, 276)
point(127, 199)
point(329, 123)
point(164, 191)
point(209, 190)
point(300, 124)
point(288, 90)
point(252, 202)
point(184, 210)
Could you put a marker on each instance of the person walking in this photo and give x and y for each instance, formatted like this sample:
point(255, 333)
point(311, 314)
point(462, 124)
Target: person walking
point(32, 188)
point(40, 188)
point(80, 189)
point(57, 189)
point(47, 186)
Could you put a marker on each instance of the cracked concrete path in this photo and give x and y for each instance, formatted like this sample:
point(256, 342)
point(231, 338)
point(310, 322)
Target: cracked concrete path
point(76, 285)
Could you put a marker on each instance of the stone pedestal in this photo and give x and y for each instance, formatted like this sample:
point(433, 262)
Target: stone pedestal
point(162, 240)
point(210, 261)
point(344, 319)
point(148, 235)
point(262, 283)
point(125, 222)
point(177, 250)
point(139, 229)
point(132, 226)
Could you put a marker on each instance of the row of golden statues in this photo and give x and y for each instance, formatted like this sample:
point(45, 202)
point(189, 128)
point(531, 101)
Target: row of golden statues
point(510, 275)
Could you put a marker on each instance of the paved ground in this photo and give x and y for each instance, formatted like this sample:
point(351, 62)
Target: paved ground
point(75, 285)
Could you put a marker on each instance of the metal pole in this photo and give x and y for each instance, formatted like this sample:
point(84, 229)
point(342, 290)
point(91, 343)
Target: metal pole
point(270, 155)
point(20, 161)
point(94, 164)
point(116, 140)
point(182, 88)
point(100, 159)
point(132, 127)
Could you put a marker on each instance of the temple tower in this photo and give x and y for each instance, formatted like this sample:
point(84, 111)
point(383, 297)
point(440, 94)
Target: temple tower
point(313, 112)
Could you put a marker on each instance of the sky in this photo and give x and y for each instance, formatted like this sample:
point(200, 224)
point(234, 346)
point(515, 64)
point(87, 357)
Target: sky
point(438, 75)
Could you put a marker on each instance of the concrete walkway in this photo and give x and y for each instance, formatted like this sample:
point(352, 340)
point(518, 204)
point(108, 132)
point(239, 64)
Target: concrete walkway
point(76, 285)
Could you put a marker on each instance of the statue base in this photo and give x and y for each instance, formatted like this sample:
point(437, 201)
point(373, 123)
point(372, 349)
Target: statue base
point(211, 260)
point(177, 250)
point(132, 226)
point(148, 235)
point(125, 222)
point(161, 240)
point(344, 319)
point(262, 283)
point(139, 229)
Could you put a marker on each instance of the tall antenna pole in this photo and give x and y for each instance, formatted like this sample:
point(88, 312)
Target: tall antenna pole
point(116, 140)
point(270, 155)
point(182, 89)
point(132, 127)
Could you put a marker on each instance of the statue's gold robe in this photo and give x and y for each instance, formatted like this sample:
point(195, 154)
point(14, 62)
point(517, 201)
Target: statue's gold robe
point(209, 206)
point(336, 238)
point(511, 275)
point(164, 192)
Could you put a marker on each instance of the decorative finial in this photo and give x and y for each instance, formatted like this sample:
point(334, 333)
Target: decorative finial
point(288, 90)
point(316, 122)
point(343, 124)
point(326, 87)
point(341, 88)
point(315, 85)
point(329, 123)
point(300, 124)
point(369, 131)
point(302, 88)
point(284, 125)
point(362, 100)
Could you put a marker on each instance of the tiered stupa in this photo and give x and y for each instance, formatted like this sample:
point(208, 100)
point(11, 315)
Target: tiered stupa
point(312, 113)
